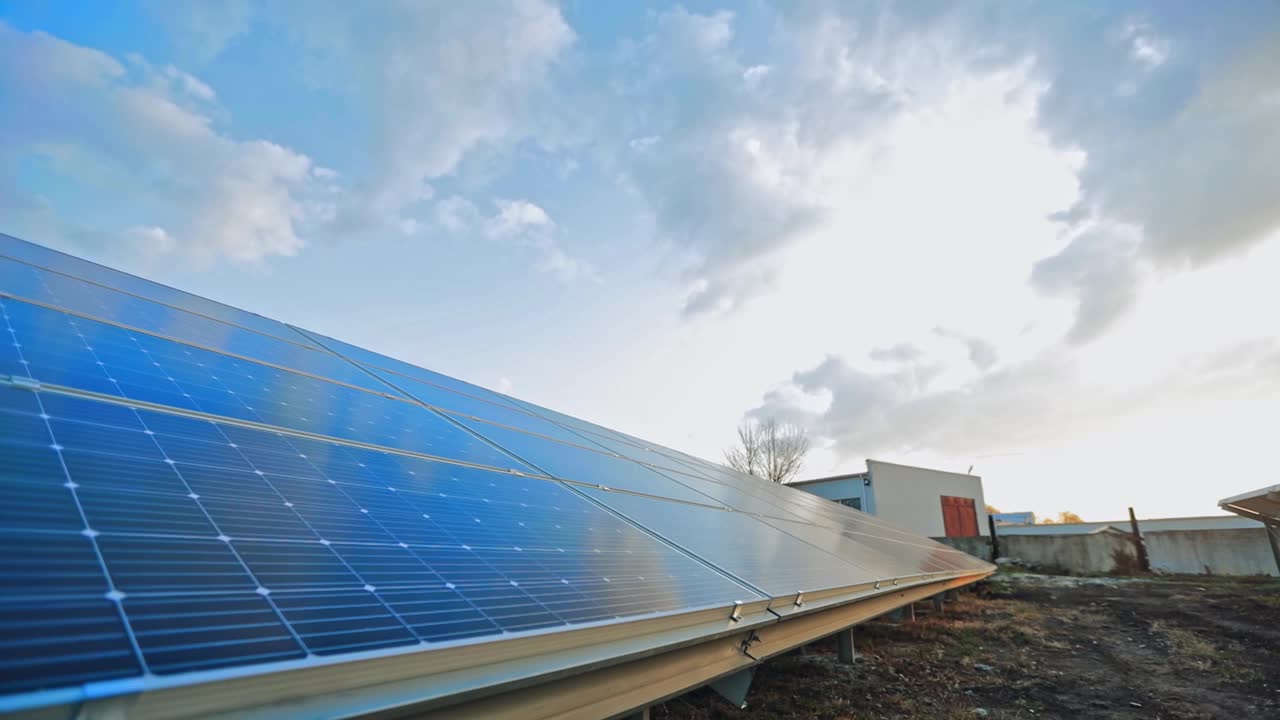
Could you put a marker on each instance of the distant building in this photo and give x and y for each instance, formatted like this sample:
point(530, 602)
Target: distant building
point(1014, 518)
point(935, 503)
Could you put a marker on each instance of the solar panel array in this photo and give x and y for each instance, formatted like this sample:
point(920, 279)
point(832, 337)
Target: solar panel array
point(185, 486)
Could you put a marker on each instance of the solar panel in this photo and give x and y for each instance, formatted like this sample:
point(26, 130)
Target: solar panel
point(187, 488)
point(51, 260)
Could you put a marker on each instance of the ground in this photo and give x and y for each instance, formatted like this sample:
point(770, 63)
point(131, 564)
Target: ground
point(1044, 647)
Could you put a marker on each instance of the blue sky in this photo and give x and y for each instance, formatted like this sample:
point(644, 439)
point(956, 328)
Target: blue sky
point(1035, 238)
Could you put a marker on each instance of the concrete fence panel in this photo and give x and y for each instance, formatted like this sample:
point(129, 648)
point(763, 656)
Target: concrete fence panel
point(1104, 552)
point(1240, 551)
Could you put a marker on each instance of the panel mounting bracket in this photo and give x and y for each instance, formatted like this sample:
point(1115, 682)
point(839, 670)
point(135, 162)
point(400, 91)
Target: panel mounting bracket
point(736, 615)
point(799, 598)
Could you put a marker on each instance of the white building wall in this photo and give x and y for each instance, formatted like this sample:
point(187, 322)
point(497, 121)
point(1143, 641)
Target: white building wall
point(911, 497)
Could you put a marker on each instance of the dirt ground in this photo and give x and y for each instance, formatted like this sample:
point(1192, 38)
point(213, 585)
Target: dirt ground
point(1044, 647)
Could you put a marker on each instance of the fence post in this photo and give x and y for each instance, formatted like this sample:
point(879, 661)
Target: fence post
point(995, 542)
point(1144, 562)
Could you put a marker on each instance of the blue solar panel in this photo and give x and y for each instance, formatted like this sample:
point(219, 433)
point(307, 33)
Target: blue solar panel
point(572, 462)
point(88, 355)
point(761, 555)
point(40, 286)
point(183, 544)
point(185, 487)
point(376, 361)
point(52, 260)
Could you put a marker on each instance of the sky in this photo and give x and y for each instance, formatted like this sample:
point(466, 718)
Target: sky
point(1038, 240)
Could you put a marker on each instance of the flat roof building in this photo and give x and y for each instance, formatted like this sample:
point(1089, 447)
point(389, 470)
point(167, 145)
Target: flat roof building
point(936, 503)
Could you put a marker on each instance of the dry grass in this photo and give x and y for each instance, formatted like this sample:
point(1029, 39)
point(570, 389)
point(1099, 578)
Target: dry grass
point(1194, 652)
point(1177, 650)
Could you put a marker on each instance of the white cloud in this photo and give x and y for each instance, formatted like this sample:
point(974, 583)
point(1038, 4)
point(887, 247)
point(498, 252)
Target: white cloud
point(204, 30)
point(439, 81)
point(215, 196)
point(530, 226)
point(517, 217)
point(150, 242)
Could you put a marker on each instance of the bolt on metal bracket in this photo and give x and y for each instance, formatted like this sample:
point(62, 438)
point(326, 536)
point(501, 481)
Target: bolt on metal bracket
point(736, 615)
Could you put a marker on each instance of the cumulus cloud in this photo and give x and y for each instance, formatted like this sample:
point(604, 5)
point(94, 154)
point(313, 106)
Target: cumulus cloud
point(982, 353)
point(1180, 124)
point(99, 121)
point(1098, 269)
point(519, 222)
point(899, 353)
point(728, 171)
point(902, 410)
point(529, 225)
point(1174, 113)
point(439, 80)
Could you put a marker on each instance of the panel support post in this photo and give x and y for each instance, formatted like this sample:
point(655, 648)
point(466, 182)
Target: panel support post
point(1144, 562)
point(1273, 534)
point(995, 540)
point(846, 653)
point(641, 714)
point(906, 613)
point(937, 603)
point(734, 687)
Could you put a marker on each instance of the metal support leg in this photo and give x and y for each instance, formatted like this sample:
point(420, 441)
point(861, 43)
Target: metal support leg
point(734, 687)
point(846, 653)
point(1273, 534)
point(641, 714)
point(937, 603)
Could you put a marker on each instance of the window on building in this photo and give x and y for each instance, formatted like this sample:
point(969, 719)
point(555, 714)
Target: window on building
point(855, 503)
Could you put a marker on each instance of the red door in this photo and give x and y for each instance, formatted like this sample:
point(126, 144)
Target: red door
point(959, 517)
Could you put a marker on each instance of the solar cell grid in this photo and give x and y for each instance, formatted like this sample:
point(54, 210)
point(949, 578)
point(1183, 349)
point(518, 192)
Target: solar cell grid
point(761, 555)
point(572, 462)
point(213, 561)
point(24, 282)
point(379, 363)
point(63, 350)
point(52, 260)
point(222, 527)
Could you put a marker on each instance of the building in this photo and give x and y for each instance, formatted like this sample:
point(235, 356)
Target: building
point(935, 503)
point(1014, 518)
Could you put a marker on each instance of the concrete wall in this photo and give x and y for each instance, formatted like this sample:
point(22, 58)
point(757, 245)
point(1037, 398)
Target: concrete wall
point(911, 497)
point(979, 547)
point(1242, 551)
point(1104, 552)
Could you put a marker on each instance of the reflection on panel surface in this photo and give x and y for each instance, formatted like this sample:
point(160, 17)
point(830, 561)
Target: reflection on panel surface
point(76, 296)
point(88, 355)
point(70, 265)
point(187, 487)
point(176, 531)
point(571, 462)
point(751, 550)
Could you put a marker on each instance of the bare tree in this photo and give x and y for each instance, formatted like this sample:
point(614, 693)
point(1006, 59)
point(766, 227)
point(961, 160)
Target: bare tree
point(769, 450)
